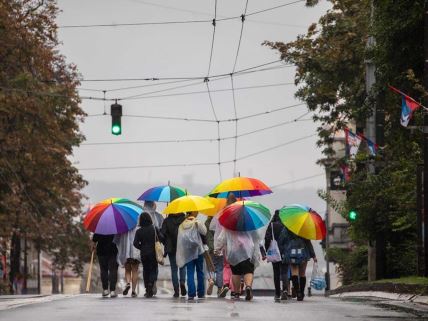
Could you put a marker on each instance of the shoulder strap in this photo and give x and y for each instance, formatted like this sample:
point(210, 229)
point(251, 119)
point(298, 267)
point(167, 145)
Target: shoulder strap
point(156, 234)
point(273, 235)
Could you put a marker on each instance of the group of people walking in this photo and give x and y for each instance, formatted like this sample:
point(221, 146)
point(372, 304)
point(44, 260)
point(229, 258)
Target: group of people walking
point(207, 252)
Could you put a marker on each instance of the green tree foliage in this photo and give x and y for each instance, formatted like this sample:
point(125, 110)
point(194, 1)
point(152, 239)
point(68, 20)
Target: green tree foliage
point(39, 116)
point(330, 75)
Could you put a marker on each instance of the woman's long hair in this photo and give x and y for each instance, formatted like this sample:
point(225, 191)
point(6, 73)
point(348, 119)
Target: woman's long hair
point(145, 219)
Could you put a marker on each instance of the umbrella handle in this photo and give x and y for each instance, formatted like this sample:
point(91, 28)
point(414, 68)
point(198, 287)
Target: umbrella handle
point(88, 281)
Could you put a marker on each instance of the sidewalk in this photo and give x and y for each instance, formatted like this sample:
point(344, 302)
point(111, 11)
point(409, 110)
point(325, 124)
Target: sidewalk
point(14, 301)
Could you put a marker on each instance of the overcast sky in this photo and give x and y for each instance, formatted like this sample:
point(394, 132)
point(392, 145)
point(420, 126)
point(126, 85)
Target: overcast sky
point(183, 50)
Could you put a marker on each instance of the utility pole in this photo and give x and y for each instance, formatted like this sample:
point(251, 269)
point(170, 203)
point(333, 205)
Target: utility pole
point(370, 133)
point(425, 144)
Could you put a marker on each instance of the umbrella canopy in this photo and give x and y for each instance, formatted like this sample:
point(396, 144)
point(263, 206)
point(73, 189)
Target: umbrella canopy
point(244, 216)
point(164, 193)
point(303, 221)
point(188, 203)
point(241, 187)
point(219, 204)
point(112, 216)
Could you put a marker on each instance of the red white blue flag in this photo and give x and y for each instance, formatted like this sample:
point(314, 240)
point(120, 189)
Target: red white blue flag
point(353, 142)
point(408, 107)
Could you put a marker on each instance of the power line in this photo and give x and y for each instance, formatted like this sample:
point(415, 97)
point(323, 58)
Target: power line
point(205, 119)
point(196, 164)
point(297, 180)
point(245, 70)
point(240, 35)
point(218, 139)
point(203, 91)
point(173, 22)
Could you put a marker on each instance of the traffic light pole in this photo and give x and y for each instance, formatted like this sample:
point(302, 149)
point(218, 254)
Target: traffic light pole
point(425, 146)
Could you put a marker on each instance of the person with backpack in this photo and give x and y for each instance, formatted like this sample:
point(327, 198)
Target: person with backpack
point(145, 239)
point(297, 252)
point(190, 250)
point(280, 268)
point(169, 232)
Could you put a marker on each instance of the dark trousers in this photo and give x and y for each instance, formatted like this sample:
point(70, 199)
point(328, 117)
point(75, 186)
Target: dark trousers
point(280, 273)
point(108, 271)
point(176, 270)
point(150, 270)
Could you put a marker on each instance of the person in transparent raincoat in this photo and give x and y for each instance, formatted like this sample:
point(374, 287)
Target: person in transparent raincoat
point(190, 249)
point(242, 251)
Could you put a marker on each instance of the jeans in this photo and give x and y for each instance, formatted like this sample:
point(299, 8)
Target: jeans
point(197, 264)
point(174, 270)
point(218, 265)
point(280, 273)
point(108, 271)
point(150, 270)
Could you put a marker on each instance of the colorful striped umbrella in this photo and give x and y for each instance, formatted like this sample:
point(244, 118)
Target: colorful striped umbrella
point(112, 216)
point(303, 221)
point(241, 187)
point(244, 216)
point(164, 193)
point(188, 203)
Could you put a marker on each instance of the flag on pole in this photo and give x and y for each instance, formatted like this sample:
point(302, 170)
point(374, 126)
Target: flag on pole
point(353, 142)
point(408, 106)
point(345, 172)
point(372, 147)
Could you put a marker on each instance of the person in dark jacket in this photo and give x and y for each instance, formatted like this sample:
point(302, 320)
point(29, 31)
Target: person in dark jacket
point(107, 252)
point(169, 232)
point(280, 269)
point(144, 240)
point(297, 252)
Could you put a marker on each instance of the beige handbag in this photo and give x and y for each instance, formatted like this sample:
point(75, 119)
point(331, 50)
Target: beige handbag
point(159, 249)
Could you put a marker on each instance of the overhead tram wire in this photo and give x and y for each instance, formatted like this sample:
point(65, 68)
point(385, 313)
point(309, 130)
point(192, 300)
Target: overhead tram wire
point(200, 163)
point(175, 22)
point(233, 89)
point(297, 180)
point(247, 70)
point(298, 119)
point(206, 80)
point(206, 119)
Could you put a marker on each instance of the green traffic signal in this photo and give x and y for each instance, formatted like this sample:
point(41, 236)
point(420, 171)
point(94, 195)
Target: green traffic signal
point(116, 130)
point(352, 215)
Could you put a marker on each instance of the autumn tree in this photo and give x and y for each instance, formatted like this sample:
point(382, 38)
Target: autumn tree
point(40, 196)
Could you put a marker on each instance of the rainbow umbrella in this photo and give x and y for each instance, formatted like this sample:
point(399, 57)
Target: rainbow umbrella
point(112, 216)
point(244, 216)
point(219, 204)
point(188, 203)
point(303, 221)
point(241, 187)
point(164, 193)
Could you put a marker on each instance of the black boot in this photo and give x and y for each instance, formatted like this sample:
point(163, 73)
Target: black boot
point(149, 291)
point(302, 284)
point(296, 288)
point(183, 289)
point(176, 292)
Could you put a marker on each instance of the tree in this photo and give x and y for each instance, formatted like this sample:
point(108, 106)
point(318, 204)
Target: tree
point(330, 75)
point(39, 116)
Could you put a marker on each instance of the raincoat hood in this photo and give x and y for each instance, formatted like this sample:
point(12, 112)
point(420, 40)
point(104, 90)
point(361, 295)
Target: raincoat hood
point(188, 223)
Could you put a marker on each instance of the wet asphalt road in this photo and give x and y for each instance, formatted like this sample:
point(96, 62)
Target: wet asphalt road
point(91, 307)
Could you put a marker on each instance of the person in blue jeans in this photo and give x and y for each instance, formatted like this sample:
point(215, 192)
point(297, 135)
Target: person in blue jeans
point(190, 250)
point(169, 232)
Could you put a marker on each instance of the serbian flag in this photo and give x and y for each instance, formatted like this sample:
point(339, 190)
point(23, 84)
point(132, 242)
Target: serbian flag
point(408, 106)
point(373, 147)
point(345, 172)
point(353, 142)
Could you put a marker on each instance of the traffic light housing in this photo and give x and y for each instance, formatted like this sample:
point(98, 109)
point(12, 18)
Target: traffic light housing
point(352, 215)
point(116, 119)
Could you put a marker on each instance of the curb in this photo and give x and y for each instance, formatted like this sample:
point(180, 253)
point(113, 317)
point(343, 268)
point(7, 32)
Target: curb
point(11, 302)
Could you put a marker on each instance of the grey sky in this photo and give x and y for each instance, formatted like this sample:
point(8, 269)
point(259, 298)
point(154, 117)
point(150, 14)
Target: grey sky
point(183, 50)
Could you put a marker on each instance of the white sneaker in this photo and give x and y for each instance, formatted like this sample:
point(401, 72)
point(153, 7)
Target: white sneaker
point(105, 293)
point(113, 294)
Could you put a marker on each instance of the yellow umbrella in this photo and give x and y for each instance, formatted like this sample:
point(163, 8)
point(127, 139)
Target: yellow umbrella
point(188, 203)
point(219, 204)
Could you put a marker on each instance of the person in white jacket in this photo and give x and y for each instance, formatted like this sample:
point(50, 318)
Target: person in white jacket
point(190, 251)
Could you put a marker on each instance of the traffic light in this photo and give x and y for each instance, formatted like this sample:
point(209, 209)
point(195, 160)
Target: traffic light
point(116, 119)
point(352, 215)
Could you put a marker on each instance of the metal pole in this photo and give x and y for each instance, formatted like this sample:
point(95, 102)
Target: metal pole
point(425, 143)
point(419, 217)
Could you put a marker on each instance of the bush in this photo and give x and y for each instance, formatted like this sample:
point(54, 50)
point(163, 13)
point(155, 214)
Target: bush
point(352, 263)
